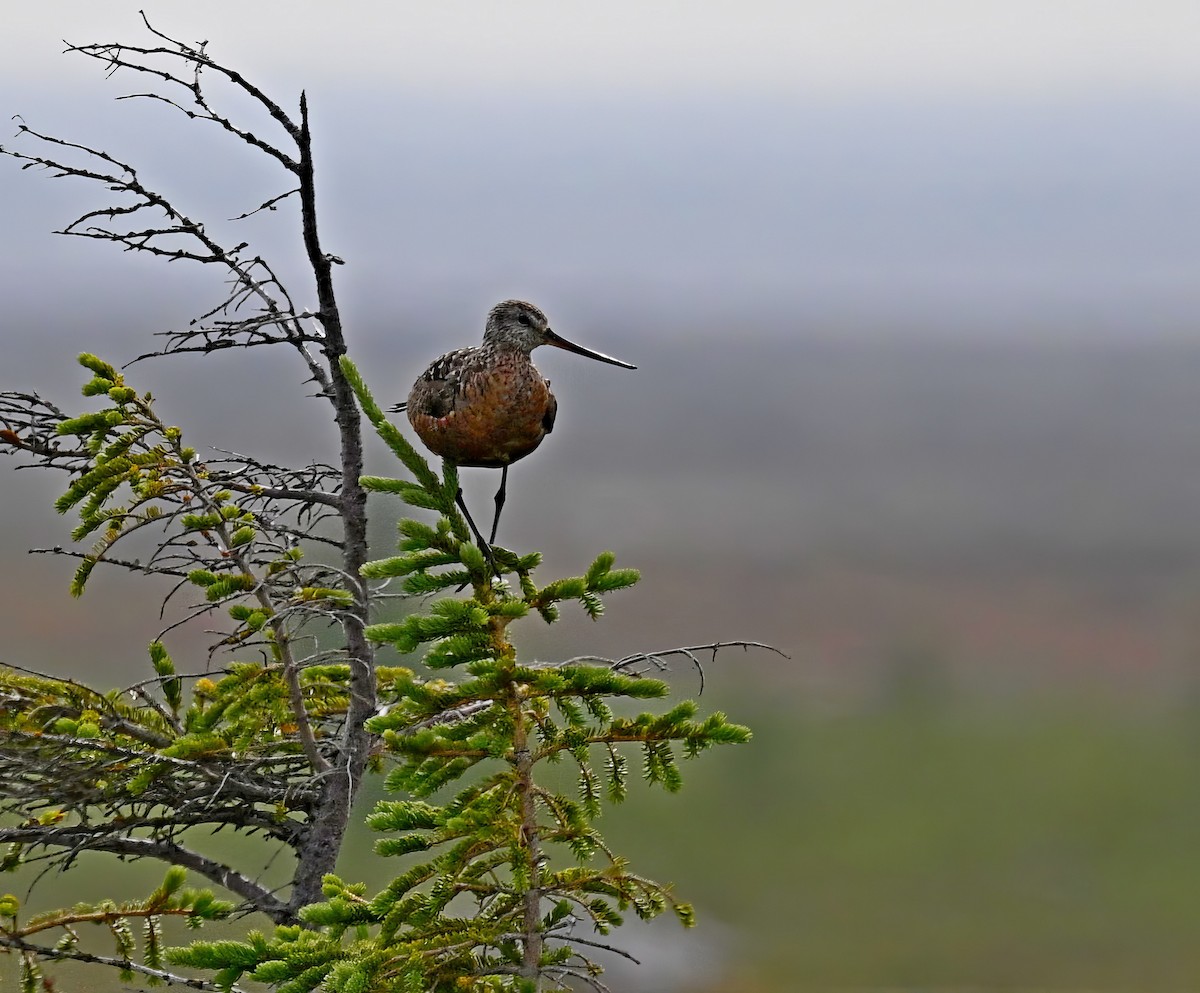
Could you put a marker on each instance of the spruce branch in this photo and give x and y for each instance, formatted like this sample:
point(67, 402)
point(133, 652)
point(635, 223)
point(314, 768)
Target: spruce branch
point(169, 900)
point(54, 953)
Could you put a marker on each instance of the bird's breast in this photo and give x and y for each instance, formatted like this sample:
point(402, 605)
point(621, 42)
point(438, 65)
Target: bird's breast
point(481, 410)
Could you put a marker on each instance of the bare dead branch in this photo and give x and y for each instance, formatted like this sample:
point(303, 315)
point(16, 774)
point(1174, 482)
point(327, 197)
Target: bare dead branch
point(133, 565)
point(714, 648)
point(574, 939)
point(180, 238)
point(657, 660)
point(194, 60)
point(257, 896)
point(267, 205)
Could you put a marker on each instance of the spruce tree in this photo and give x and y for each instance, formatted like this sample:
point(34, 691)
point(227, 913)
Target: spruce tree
point(499, 878)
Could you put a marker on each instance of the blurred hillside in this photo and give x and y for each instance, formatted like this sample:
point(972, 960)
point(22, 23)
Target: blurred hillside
point(916, 370)
point(1021, 510)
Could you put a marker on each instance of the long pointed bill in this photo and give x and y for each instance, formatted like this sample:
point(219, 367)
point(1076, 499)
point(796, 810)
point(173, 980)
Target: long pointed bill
point(560, 342)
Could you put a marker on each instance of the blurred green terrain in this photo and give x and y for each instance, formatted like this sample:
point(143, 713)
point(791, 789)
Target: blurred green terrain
point(916, 846)
point(926, 843)
point(1049, 847)
point(981, 766)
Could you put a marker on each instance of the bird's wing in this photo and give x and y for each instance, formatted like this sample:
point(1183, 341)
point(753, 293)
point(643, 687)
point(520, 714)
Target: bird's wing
point(437, 392)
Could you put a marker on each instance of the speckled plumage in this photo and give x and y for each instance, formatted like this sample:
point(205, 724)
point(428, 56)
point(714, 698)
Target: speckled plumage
point(483, 406)
point(488, 405)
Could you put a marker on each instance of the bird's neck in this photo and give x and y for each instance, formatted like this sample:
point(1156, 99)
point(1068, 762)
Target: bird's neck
point(509, 349)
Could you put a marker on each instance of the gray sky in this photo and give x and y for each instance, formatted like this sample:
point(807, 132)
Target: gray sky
point(975, 164)
point(822, 48)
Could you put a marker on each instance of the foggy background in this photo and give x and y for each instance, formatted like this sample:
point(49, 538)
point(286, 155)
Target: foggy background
point(911, 289)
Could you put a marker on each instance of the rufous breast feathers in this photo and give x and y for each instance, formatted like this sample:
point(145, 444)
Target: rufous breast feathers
point(476, 409)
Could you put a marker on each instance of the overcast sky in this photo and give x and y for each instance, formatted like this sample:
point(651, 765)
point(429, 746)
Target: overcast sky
point(1011, 164)
point(826, 47)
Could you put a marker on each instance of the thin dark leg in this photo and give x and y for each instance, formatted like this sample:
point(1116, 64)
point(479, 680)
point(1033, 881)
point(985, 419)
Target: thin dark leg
point(483, 545)
point(500, 494)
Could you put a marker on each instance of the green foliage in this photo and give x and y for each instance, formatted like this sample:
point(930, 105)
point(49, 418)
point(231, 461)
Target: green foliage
point(170, 899)
point(172, 687)
point(495, 866)
point(245, 714)
point(139, 472)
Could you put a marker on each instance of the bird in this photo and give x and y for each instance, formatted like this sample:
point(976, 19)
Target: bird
point(488, 406)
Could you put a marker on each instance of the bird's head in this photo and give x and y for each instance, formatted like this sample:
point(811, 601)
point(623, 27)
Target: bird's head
point(517, 324)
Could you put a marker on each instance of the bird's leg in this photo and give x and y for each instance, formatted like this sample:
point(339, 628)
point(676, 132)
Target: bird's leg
point(499, 498)
point(483, 545)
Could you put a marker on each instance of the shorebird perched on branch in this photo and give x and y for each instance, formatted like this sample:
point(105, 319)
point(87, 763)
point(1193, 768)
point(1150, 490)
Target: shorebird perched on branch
point(488, 405)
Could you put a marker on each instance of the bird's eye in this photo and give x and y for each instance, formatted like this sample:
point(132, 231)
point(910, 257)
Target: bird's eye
point(523, 319)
